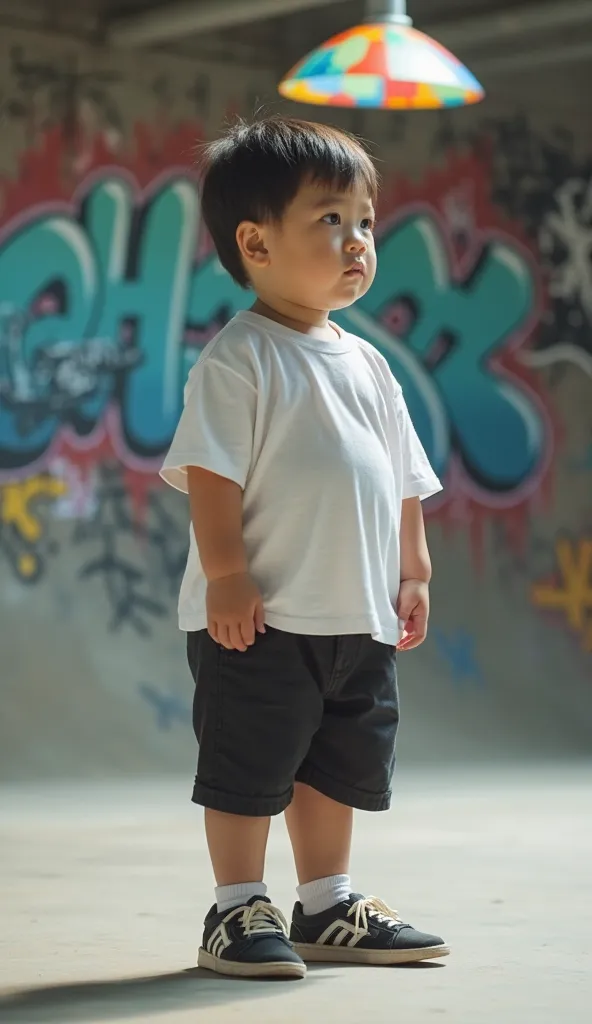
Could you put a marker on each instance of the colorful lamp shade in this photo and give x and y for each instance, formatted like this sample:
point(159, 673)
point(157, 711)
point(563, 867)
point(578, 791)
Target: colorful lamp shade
point(385, 65)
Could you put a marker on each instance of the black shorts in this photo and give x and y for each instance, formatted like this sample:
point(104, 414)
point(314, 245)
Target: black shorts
point(322, 710)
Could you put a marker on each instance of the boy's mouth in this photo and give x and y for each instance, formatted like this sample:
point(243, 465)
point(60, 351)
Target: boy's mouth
point(357, 268)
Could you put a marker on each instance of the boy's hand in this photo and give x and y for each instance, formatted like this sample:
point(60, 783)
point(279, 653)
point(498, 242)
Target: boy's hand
point(413, 607)
point(235, 611)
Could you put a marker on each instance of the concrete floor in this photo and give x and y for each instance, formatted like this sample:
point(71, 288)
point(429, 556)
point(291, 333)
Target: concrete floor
point(103, 890)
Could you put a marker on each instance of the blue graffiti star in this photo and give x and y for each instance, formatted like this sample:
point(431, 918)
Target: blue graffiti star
point(457, 647)
point(168, 708)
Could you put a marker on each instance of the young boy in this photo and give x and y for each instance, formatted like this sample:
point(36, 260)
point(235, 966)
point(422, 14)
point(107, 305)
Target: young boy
point(308, 562)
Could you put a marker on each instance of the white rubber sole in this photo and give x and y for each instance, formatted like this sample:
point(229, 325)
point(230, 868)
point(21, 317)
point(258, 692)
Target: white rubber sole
point(315, 953)
point(236, 969)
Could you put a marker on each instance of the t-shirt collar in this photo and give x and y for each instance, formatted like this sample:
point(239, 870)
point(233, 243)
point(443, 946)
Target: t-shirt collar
point(342, 343)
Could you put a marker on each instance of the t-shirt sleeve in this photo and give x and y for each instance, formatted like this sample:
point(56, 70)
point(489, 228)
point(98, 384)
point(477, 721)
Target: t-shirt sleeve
point(215, 431)
point(419, 479)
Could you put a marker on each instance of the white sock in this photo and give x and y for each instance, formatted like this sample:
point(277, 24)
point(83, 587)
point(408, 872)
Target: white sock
point(230, 896)
point(323, 893)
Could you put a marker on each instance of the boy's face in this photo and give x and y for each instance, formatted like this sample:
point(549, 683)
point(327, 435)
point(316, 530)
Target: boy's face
point(322, 255)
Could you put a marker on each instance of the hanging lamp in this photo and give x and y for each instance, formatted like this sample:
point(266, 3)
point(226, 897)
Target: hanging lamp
point(383, 64)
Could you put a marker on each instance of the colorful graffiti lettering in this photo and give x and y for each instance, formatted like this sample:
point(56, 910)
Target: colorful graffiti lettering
point(572, 594)
point(22, 528)
point(105, 300)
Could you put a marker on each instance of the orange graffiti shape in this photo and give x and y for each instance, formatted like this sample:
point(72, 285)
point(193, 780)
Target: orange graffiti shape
point(573, 595)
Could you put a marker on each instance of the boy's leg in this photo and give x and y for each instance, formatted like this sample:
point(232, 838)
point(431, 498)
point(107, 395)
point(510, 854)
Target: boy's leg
point(244, 934)
point(237, 846)
point(320, 832)
point(350, 763)
point(250, 745)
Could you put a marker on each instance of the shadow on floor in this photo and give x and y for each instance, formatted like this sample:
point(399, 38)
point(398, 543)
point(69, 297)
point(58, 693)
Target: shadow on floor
point(129, 997)
point(155, 994)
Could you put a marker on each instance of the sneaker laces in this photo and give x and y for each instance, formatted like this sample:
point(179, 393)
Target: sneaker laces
point(372, 907)
point(261, 919)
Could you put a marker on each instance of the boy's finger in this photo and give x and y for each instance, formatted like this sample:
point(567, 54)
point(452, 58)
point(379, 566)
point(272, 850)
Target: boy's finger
point(247, 629)
point(416, 634)
point(259, 617)
point(236, 641)
point(223, 637)
point(414, 641)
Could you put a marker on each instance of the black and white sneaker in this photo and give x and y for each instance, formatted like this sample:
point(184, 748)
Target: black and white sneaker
point(361, 931)
point(249, 942)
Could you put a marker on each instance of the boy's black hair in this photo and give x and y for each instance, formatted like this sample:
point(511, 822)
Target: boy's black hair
point(255, 171)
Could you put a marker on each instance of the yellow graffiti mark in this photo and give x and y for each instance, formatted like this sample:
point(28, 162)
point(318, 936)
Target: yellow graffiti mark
point(18, 514)
point(573, 595)
point(27, 565)
point(16, 499)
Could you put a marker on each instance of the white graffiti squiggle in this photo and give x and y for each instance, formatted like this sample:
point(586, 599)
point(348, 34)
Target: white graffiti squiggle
point(564, 353)
point(571, 226)
point(565, 243)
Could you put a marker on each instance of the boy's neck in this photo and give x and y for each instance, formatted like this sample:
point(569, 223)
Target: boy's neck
point(314, 322)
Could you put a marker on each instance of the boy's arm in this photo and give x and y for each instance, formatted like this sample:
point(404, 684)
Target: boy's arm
point(418, 481)
point(415, 557)
point(233, 603)
point(413, 605)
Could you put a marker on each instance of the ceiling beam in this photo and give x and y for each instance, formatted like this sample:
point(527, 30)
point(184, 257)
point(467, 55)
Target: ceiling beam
point(187, 17)
point(511, 23)
point(571, 53)
point(183, 18)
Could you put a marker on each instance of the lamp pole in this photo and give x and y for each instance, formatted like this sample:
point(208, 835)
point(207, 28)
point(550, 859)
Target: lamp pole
point(393, 11)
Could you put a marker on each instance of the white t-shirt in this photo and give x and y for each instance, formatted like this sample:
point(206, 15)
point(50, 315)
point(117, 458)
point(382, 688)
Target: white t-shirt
point(319, 437)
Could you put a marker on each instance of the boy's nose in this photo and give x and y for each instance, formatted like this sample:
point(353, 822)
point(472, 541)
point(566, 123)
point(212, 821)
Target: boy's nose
point(356, 245)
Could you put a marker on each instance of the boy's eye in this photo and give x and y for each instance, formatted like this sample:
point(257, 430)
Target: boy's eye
point(332, 218)
point(367, 224)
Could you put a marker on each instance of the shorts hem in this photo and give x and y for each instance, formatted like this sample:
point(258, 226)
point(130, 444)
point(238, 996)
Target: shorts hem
point(247, 806)
point(341, 793)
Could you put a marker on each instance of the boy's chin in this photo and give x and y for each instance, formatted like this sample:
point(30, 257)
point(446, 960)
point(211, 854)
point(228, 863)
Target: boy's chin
point(343, 301)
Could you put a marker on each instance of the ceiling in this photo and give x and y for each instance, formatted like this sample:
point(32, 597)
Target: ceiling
point(496, 35)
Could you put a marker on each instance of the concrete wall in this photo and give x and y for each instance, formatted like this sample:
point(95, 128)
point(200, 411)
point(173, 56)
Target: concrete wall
point(483, 304)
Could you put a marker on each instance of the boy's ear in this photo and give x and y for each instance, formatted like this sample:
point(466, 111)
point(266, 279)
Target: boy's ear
point(249, 238)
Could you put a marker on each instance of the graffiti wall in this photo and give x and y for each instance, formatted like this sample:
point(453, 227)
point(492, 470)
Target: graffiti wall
point(107, 296)
point(109, 289)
